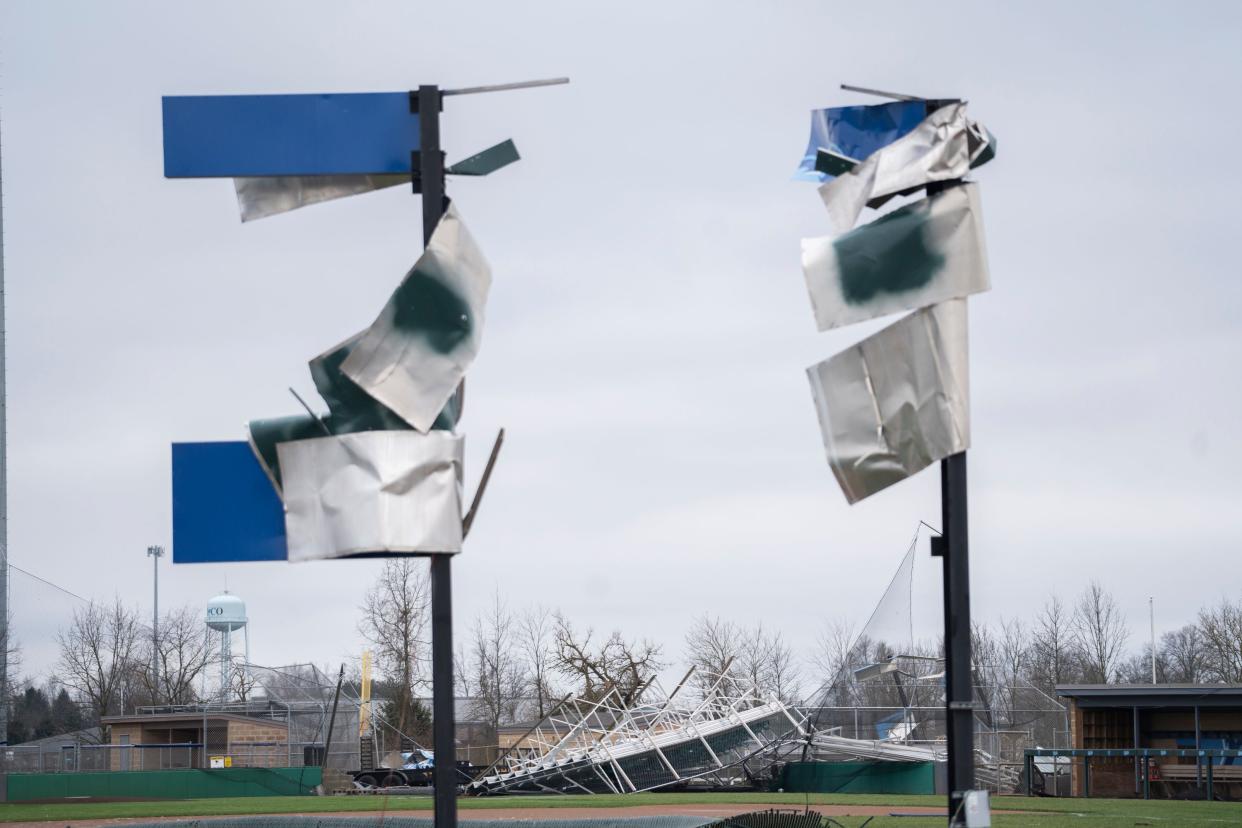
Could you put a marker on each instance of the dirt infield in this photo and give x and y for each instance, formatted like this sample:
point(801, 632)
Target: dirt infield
point(482, 814)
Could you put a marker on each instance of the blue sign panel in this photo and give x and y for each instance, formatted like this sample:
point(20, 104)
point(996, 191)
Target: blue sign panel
point(224, 507)
point(244, 136)
point(857, 131)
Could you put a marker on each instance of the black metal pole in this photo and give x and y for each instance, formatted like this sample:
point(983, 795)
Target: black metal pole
point(430, 158)
point(443, 719)
point(954, 549)
point(959, 689)
point(444, 725)
point(327, 745)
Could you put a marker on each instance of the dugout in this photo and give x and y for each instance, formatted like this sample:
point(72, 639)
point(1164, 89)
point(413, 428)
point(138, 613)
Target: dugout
point(1179, 718)
point(162, 741)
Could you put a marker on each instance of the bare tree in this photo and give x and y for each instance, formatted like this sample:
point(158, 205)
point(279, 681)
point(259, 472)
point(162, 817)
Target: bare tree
point(712, 647)
point(497, 669)
point(596, 667)
point(184, 653)
point(1136, 668)
point(985, 657)
point(394, 619)
point(1052, 651)
point(1184, 653)
point(242, 682)
point(1099, 633)
point(1013, 653)
point(98, 653)
point(462, 684)
point(833, 659)
point(783, 674)
point(535, 639)
point(1221, 627)
point(766, 663)
point(712, 644)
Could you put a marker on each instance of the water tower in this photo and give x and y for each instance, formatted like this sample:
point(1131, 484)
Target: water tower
point(226, 614)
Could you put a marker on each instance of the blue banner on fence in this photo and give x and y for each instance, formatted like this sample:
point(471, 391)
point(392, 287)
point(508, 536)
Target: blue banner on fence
point(276, 135)
point(224, 507)
point(857, 131)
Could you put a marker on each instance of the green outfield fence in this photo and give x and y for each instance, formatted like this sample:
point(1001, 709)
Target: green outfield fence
point(390, 821)
point(860, 777)
point(195, 783)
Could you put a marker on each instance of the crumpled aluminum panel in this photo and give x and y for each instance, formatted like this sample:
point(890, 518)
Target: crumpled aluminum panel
point(912, 257)
point(267, 434)
point(261, 197)
point(896, 402)
point(416, 352)
point(353, 409)
point(395, 492)
point(937, 150)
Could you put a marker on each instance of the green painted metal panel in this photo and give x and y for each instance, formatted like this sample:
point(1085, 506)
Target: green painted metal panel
point(166, 784)
point(860, 777)
point(487, 161)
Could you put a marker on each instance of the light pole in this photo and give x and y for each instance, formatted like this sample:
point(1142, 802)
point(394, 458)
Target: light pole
point(155, 553)
point(1151, 615)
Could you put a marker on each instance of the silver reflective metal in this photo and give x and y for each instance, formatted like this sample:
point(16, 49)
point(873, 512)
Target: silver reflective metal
point(936, 150)
point(374, 491)
point(920, 254)
point(896, 402)
point(261, 197)
point(414, 355)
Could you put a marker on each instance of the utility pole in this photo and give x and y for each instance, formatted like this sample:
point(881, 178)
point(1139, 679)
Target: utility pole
point(1151, 615)
point(155, 553)
point(4, 501)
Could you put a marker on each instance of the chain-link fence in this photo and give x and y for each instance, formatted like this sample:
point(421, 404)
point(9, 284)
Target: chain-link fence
point(84, 758)
point(1002, 735)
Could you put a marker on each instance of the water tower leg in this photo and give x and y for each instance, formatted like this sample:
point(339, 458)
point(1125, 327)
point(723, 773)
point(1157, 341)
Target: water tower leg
point(226, 662)
point(246, 665)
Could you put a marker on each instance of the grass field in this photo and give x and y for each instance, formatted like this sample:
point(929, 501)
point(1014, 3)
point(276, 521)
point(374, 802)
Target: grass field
point(1040, 813)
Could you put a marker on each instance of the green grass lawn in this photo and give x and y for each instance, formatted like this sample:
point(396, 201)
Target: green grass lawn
point(1041, 813)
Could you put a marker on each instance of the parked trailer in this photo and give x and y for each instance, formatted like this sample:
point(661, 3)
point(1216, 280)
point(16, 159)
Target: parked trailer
point(417, 771)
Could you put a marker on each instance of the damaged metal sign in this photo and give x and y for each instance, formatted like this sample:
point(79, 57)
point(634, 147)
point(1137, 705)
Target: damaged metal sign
point(847, 135)
point(260, 197)
point(937, 149)
point(266, 434)
point(896, 402)
point(415, 354)
point(912, 257)
point(353, 409)
point(374, 492)
point(360, 479)
point(857, 131)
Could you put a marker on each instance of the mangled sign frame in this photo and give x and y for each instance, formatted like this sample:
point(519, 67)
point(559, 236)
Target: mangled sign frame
point(394, 390)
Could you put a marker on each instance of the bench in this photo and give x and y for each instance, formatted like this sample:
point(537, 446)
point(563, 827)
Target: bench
point(1188, 773)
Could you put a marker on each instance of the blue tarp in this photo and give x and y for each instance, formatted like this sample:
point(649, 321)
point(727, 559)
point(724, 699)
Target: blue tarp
point(857, 131)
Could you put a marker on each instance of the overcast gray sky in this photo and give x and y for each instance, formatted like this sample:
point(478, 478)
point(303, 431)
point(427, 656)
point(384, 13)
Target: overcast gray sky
point(648, 326)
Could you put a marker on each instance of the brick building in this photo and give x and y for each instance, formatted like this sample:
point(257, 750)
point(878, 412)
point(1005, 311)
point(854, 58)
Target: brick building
point(189, 740)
